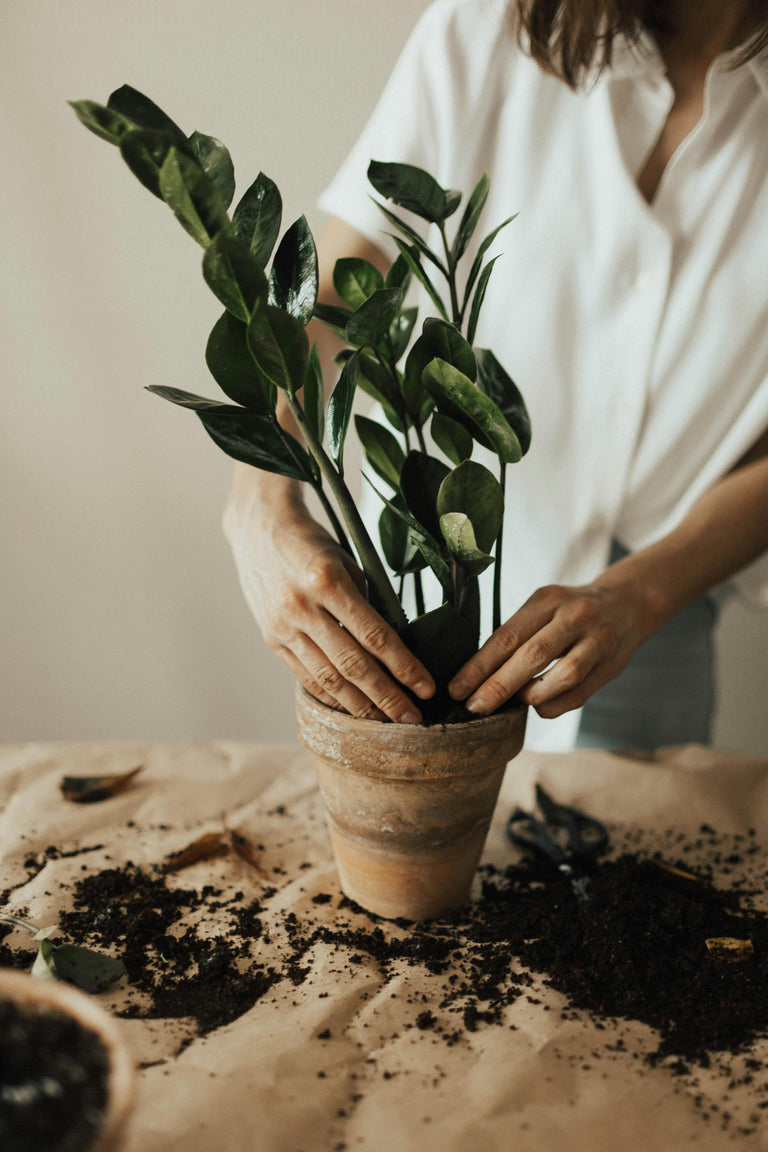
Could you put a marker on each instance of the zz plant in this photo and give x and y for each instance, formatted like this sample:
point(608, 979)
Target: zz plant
point(447, 519)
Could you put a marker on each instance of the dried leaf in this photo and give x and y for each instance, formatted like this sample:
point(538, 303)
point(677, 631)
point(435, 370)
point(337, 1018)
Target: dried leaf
point(206, 847)
point(246, 851)
point(677, 871)
point(730, 948)
point(92, 789)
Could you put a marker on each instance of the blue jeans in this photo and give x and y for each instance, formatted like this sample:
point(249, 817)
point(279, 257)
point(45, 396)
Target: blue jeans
point(666, 694)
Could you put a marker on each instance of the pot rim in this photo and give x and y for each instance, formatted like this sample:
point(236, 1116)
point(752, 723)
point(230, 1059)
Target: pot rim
point(26, 989)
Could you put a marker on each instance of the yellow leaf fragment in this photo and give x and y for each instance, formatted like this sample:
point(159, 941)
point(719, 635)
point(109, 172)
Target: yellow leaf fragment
point(730, 948)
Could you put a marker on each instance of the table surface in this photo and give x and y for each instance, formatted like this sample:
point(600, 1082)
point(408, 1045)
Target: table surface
point(254, 1085)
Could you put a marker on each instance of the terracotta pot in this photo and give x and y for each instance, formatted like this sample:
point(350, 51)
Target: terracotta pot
point(52, 994)
point(408, 807)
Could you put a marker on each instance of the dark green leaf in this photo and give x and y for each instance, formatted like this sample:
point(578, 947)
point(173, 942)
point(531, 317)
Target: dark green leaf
point(399, 275)
point(452, 201)
point(496, 382)
point(233, 368)
point(215, 160)
point(400, 331)
point(314, 397)
point(420, 480)
point(254, 440)
point(459, 535)
point(397, 543)
point(470, 217)
point(368, 325)
point(145, 152)
point(192, 197)
point(477, 263)
point(189, 399)
point(135, 106)
point(104, 122)
point(382, 450)
point(438, 339)
point(410, 187)
point(477, 302)
point(376, 382)
point(87, 969)
point(442, 640)
point(256, 219)
point(411, 257)
point(293, 279)
point(355, 280)
point(426, 543)
point(340, 408)
point(336, 318)
point(234, 276)
point(416, 240)
point(451, 437)
point(279, 345)
point(456, 396)
point(471, 489)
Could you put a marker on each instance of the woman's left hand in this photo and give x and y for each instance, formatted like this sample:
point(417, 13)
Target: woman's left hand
point(591, 631)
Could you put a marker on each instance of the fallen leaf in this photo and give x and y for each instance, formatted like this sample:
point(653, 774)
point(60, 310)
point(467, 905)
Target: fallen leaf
point(730, 948)
point(206, 847)
point(92, 789)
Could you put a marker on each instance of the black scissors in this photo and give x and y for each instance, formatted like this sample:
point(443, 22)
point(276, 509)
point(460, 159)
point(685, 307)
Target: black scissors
point(587, 837)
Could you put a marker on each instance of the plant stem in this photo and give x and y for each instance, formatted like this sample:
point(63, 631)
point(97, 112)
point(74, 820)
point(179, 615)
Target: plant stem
point(455, 310)
point(419, 591)
point(370, 562)
point(317, 485)
point(497, 565)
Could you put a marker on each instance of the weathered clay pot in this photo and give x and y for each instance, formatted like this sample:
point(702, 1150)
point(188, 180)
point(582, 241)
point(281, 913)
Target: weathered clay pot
point(52, 994)
point(408, 807)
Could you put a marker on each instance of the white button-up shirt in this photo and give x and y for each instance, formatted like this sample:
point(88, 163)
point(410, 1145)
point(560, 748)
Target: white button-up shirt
point(638, 333)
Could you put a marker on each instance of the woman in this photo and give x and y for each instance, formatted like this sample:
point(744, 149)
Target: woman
point(631, 308)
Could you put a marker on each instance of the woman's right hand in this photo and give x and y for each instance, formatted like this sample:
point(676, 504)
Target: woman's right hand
point(306, 594)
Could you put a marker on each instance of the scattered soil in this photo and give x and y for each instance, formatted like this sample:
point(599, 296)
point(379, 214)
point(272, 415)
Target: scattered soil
point(53, 1080)
point(635, 951)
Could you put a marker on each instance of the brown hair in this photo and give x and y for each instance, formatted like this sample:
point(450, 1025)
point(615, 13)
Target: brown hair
point(571, 37)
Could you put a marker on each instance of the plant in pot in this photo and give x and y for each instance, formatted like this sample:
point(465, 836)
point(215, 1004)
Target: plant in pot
point(408, 806)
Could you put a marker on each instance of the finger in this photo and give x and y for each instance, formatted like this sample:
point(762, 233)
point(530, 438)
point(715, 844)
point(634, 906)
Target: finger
point(304, 678)
point(325, 673)
point(376, 637)
point(359, 668)
point(576, 697)
point(530, 659)
point(499, 647)
point(568, 673)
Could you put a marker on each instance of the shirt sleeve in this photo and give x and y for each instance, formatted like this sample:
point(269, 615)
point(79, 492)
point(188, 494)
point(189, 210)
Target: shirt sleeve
point(421, 116)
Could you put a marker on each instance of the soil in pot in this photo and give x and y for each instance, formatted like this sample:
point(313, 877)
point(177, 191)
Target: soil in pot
point(53, 1080)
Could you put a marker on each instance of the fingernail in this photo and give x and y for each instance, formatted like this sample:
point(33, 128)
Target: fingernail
point(458, 689)
point(478, 707)
point(424, 689)
point(409, 718)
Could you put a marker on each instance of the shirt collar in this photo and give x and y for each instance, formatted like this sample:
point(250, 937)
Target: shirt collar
point(641, 57)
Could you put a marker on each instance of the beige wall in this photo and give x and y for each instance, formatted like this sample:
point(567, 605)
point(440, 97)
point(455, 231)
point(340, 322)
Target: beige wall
point(120, 613)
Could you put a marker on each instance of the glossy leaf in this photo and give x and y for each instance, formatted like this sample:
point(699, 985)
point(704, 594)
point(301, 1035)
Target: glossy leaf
point(409, 187)
point(340, 408)
point(472, 490)
point(253, 439)
point(145, 152)
point(401, 330)
point(368, 325)
point(335, 317)
point(397, 541)
point(477, 263)
point(496, 382)
point(41, 969)
point(456, 396)
point(442, 639)
point(411, 234)
point(234, 276)
point(452, 201)
point(425, 542)
point(313, 399)
point(102, 121)
point(189, 399)
point(377, 382)
point(215, 160)
point(293, 279)
point(399, 275)
point(256, 219)
point(470, 217)
point(459, 535)
point(355, 280)
point(192, 197)
point(451, 438)
point(477, 301)
point(382, 450)
point(279, 345)
point(438, 339)
point(135, 106)
point(85, 968)
point(420, 479)
point(411, 257)
point(233, 368)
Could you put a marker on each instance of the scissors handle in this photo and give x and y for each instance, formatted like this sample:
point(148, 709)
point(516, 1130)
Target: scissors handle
point(527, 832)
point(587, 837)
